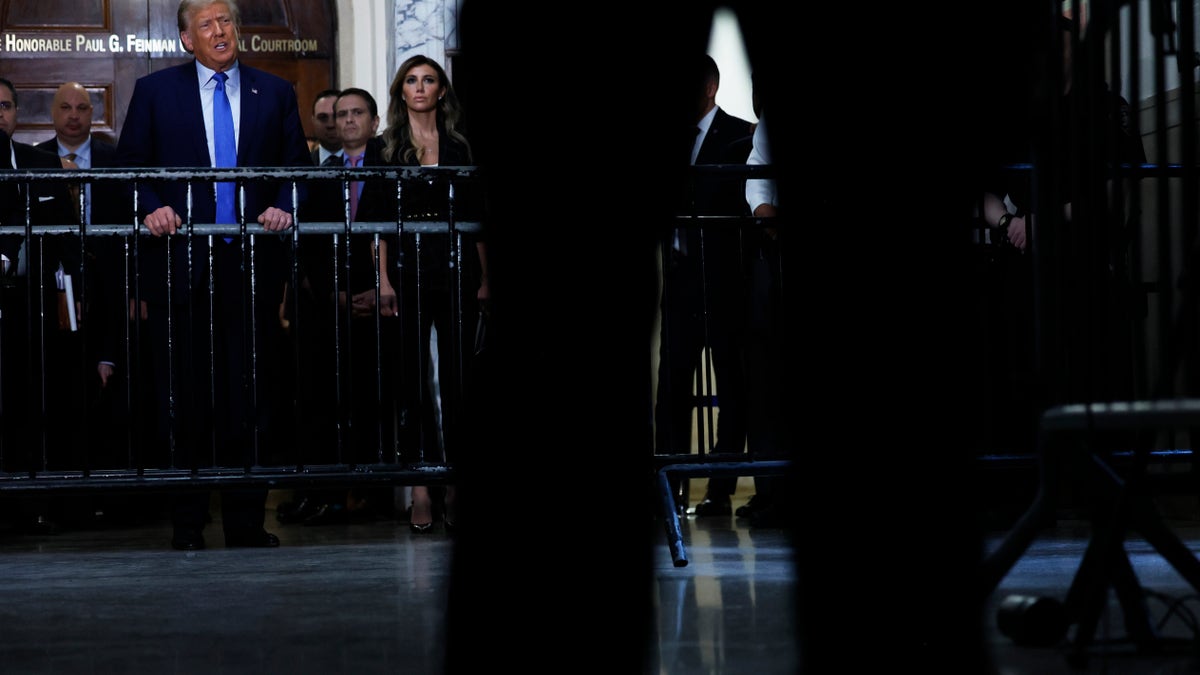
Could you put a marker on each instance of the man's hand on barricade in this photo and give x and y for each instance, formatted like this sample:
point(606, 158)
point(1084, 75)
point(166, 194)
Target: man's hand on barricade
point(163, 220)
point(275, 219)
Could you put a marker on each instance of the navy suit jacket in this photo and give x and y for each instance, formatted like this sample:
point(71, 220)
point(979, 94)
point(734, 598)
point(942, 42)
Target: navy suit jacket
point(164, 127)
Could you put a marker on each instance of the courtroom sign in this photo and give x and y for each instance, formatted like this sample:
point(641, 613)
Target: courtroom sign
point(133, 44)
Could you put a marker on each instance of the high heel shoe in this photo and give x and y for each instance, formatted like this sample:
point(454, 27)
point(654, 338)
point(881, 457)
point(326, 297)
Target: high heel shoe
point(422, 510)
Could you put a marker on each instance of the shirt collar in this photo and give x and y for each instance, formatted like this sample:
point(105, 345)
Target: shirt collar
point(84, 152)
point(204, 73)
point(325, 154)
point(706, 121)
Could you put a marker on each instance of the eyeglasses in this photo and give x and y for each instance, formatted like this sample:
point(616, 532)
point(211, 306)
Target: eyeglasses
point(7, 105)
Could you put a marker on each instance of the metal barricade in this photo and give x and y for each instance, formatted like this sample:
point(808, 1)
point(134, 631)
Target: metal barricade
point(92, 439)
point(64, 433)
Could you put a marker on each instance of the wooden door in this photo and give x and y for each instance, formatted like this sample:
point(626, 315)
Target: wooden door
point(107, 44)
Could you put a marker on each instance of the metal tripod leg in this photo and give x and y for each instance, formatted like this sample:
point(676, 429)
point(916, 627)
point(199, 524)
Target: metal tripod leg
point(1106, 564)
point(998, 563)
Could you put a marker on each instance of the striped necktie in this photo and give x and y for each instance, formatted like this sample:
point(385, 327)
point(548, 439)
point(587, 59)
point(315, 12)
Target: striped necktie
point(74, 187)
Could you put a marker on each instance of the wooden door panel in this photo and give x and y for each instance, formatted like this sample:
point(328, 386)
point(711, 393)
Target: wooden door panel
point(64, 15)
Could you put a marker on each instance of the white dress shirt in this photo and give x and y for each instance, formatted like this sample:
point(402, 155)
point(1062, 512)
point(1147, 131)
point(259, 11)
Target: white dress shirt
point(704, 123)
point(760, 190)
point(325, 154)
point(233, 91)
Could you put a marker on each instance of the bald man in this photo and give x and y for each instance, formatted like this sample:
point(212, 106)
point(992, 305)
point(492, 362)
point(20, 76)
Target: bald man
point(103, 204)
point(75, 143)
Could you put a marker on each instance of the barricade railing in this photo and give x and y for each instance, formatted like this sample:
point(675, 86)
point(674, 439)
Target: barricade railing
point(139, 467)
point(143, 467)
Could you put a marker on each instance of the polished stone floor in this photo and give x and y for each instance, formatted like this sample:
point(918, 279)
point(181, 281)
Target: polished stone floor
point(371, 597)
point(367, 597)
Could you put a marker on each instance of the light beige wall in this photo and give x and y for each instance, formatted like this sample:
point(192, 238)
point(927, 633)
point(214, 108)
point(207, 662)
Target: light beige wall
point(364, 47)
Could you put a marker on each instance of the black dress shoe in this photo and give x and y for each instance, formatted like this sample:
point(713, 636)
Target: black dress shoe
point(757, 503)
point(714, 506)
point(186, 539)
point(251, 539)
point(423, 528)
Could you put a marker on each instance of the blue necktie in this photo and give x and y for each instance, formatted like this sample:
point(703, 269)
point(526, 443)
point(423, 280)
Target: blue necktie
point(226, 149)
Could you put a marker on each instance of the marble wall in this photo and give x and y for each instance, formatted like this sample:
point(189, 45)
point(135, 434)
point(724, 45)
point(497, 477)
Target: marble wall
point(426, 27)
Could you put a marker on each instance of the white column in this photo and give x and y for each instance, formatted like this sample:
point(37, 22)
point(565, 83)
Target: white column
point(365, 47)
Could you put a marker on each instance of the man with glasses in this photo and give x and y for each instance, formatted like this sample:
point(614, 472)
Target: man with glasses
point(35, 357)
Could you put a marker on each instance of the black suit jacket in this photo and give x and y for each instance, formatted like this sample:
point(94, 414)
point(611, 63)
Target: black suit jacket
point(728, 141)
point(164, 127)
point(316, 156)
point(105, 291)
point(326, 203)
point(49, 204)
point(110, 202)
point(428, 199)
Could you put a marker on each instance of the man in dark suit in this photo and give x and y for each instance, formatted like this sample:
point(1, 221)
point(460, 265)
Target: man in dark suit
point(170, 123)
point(702, 300)
point(35, 354)
point(308, 327)
point(324, 121)
point(362, 408)
point(100, 292)
point(77, 147)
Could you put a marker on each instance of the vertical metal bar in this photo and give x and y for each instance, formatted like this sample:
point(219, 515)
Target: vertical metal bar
point(254, 429)
point(378, 348)
point(135, 450)
point(348, 408)
point(299, 404)
point(402, 374)
point(457, 359)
